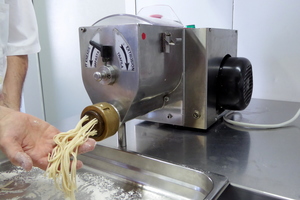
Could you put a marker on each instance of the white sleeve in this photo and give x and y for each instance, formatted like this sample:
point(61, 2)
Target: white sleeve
point(23, 32)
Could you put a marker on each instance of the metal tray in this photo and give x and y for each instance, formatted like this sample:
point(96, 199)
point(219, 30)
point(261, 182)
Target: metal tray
point(114, 174)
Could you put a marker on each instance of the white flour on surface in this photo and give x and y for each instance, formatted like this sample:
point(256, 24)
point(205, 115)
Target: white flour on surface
point(34, 185)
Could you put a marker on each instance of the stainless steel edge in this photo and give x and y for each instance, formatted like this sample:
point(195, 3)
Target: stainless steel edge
point(167, 178)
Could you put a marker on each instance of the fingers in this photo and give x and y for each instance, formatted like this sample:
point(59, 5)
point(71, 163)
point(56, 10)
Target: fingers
point(23, 160)
point(79, 164)
point(89, 145)
point(16, 155)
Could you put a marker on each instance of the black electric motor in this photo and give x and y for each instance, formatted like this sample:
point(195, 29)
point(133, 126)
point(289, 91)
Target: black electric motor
point(235, 83)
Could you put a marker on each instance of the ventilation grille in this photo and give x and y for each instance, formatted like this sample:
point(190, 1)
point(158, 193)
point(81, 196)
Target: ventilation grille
point(248, 84)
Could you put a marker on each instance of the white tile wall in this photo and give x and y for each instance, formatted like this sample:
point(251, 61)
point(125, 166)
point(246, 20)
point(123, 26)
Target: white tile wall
point(32, 101)
point(202, 13)
point(269, 35)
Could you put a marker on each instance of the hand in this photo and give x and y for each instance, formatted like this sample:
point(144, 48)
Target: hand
point(27, 140)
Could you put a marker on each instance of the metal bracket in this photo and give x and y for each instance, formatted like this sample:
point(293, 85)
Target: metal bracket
point(166, 42)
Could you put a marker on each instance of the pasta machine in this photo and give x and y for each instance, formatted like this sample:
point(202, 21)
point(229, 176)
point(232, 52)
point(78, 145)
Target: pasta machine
point(157, 70)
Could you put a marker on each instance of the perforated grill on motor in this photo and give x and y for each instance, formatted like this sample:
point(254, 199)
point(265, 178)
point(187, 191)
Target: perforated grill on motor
point(248, 85)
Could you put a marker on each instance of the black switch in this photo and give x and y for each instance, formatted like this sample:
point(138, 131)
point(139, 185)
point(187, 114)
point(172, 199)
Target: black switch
point(106, 51)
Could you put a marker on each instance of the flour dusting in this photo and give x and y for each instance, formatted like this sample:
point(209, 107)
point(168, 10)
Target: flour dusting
point(17, 184)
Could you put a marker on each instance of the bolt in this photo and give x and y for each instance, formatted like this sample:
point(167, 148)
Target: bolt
point(98, 76)
point(83, 29)
point(166, 98)
point(196, 114)
point(169, 116)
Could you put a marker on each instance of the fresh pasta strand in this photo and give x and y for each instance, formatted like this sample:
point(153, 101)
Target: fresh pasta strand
point(62, 161)
point(4, 187)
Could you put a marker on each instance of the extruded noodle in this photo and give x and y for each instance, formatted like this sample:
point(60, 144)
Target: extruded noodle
point(4, 187)
point(64, 155)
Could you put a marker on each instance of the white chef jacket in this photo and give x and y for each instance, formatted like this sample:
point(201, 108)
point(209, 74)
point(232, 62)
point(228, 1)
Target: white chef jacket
point(18, 31)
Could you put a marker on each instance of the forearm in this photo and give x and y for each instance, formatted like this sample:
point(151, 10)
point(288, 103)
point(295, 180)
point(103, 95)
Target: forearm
point(13, 83)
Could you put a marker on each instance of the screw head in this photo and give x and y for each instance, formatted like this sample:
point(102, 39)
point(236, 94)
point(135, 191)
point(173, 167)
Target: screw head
point(196, 114)
point(166, 98)
point(98, 76)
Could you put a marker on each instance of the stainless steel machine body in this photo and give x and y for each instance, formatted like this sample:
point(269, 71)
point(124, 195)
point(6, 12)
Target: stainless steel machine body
point(196, 102)
point(155, 70)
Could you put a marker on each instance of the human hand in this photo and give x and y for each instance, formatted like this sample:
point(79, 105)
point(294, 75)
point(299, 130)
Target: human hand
point(27, 140)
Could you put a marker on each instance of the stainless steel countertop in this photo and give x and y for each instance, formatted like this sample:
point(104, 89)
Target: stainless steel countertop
point(265, 161)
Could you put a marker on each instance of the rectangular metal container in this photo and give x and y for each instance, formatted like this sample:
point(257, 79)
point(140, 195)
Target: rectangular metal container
point(114, 174)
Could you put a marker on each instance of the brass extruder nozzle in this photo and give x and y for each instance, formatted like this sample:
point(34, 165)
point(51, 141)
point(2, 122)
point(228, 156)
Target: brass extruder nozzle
point(108, 119)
